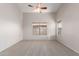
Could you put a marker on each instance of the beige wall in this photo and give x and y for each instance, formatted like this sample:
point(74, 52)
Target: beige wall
point(43, 17)
point(10, 25)
point(69, 14)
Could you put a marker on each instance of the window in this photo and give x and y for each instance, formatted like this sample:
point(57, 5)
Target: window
point(39, 28)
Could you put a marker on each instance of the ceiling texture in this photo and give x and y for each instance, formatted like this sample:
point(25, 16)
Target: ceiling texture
point(51, 7)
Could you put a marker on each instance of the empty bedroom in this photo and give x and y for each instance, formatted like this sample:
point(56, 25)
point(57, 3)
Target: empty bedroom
point(39, 29)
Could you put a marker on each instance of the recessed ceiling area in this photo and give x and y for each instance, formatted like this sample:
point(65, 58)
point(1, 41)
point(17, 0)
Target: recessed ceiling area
point(51, 7)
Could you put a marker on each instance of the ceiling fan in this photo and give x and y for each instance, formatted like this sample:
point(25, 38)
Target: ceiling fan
point(39, 7)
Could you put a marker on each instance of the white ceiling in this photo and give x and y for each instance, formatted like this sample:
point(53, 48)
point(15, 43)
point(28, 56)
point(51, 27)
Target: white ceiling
point(51, 7)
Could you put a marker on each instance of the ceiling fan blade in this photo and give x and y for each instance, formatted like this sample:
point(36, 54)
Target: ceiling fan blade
point(43, 7)
point(30, 5)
